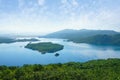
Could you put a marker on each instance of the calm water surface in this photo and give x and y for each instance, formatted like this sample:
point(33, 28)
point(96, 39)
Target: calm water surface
point(14, 54)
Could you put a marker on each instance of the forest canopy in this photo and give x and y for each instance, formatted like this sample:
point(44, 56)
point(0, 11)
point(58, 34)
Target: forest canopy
point(92, 70)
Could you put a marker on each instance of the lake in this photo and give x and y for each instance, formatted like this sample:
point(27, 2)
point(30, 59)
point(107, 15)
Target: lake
point(14, 54)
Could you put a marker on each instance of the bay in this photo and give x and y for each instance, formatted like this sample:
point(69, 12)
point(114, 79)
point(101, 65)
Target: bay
point(14, 54)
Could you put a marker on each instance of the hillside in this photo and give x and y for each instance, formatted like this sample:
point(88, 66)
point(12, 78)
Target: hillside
point(100, 40)
point(93, 70)
point(70, 33)
point(99, 37)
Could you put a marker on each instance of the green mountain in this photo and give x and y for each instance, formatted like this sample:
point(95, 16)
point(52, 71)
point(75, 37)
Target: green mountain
point(101, 37)
point(70, 33)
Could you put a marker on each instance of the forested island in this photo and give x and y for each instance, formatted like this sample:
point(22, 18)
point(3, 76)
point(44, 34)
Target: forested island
point(92, 70)
point(45, 47)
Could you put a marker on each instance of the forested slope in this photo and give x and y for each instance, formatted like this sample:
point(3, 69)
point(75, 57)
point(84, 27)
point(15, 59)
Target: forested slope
point(92, 70)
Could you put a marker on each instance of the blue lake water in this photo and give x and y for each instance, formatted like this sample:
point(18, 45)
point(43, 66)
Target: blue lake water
point(14, 54)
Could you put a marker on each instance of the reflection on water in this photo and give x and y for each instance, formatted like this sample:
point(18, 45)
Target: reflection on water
point(16, 54)
point(105, 47)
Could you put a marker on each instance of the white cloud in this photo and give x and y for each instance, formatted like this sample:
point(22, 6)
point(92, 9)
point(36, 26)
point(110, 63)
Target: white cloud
point(32, 8)
point(75, 3)
point(41, 2)
point(21, 3)
point(91, 16)
point(39, 18)
point(64, 1)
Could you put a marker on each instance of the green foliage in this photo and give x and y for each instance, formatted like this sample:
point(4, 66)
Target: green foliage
point(93, 70)
point(45, 47)
point(100, 40)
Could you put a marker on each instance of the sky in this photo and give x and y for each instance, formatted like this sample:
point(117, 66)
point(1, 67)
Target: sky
point(46, 16)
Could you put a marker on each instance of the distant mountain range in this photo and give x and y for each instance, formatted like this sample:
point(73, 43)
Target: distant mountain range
point(68, 33)
point(6, 40)
point(101, 37)
point(11, 40)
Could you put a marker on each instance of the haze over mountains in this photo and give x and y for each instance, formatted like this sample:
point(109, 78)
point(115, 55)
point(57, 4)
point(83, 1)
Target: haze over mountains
point(102, 37)
point(97, 37)
point(68, 33)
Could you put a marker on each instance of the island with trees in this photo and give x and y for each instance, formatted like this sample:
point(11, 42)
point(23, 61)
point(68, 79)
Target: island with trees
point(45, 47)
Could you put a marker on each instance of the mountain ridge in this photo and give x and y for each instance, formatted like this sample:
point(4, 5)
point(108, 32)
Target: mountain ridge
point(101, 37)
point(66, 33)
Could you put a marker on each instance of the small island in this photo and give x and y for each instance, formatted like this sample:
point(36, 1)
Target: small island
point(24, 40)
point(45, 47)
